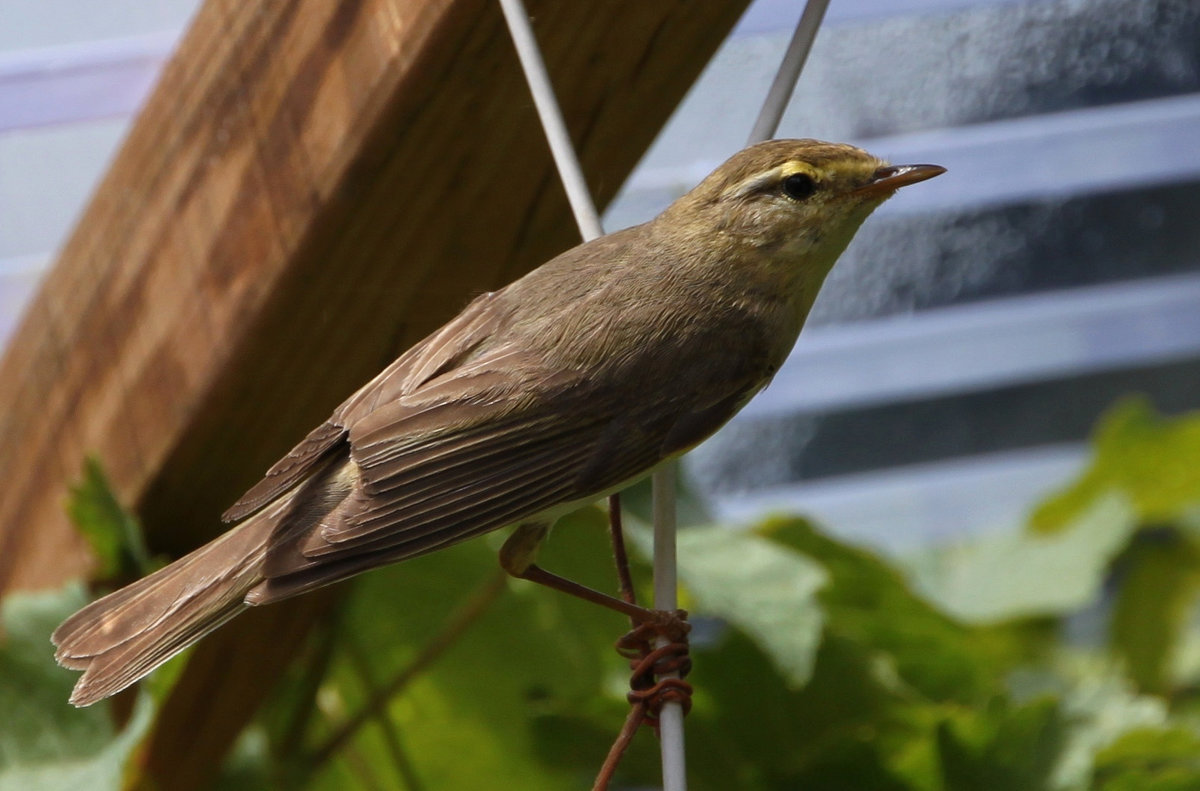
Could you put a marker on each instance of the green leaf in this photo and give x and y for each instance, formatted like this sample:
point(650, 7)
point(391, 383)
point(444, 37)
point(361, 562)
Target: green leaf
point(1095, 699)
point(114, 534)
point(246, 766)
point(1150, 760)
point(849, 727)
point(530, 696)
point(871, 605)
point(901, 696)
point(45, 743)
point(762, 588)
point(1017, 574)
point(1159, 578)
point(1002, 748)
point(1151, 460)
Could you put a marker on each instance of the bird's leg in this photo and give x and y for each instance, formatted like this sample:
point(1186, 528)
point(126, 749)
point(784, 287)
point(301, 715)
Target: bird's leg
point(517, 558)
point(616, 534)
point(649, 656)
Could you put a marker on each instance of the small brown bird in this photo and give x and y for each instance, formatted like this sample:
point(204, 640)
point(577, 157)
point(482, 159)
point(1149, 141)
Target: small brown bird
point(567, 384)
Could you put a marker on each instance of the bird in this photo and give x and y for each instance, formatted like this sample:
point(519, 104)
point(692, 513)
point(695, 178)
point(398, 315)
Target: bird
point(539, 398)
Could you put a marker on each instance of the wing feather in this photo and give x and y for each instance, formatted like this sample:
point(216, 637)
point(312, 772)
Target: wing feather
point(506, 476)
point(453, 470)
point(520, 494)
point(289, 471)
point(436, 354)
point(497, 462)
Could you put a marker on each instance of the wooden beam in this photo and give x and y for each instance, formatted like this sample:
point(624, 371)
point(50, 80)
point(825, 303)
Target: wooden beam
point(311, 188)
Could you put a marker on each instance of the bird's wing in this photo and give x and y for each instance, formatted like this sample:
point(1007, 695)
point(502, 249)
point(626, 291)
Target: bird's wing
point(468, 453)
point(439, 352)
point(288, 471)
point(477, 449)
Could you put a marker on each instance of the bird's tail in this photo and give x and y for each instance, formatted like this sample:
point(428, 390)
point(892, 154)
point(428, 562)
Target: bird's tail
point(120, 638)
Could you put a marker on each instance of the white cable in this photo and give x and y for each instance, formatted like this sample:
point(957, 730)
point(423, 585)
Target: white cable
point(670, 719)
point(552, 120)
point(789, 71)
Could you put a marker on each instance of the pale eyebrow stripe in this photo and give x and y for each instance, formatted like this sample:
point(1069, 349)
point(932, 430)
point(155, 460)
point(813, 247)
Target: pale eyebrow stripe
point(767, 178)
point(758, 182)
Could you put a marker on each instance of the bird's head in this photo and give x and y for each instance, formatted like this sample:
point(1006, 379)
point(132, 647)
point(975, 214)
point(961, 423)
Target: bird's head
point(795, 192)
point(791, 204)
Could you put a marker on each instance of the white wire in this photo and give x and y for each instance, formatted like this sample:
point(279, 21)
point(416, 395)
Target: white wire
point(789, 71)
point(550, 113)
point(670, 719)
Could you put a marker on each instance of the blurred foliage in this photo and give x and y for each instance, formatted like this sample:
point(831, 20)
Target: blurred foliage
point(1151, 460)
point(45, 743)
point(1063, 657)
point(1150, 760)
point(113, 533)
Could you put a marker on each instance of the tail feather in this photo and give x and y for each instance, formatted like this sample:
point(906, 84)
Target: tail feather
point(122, 637)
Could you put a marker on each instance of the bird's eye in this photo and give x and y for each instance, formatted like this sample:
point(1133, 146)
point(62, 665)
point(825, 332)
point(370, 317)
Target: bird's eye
point(799, 186)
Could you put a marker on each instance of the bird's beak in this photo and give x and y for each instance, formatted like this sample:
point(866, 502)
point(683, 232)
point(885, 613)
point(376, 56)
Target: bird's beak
point(891, 178)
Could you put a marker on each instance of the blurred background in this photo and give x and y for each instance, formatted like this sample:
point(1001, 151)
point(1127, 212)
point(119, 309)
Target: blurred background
point(965, 345)
point(956, 364)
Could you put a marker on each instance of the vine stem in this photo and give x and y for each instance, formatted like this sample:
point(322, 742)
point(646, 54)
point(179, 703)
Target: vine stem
point(467, 614)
